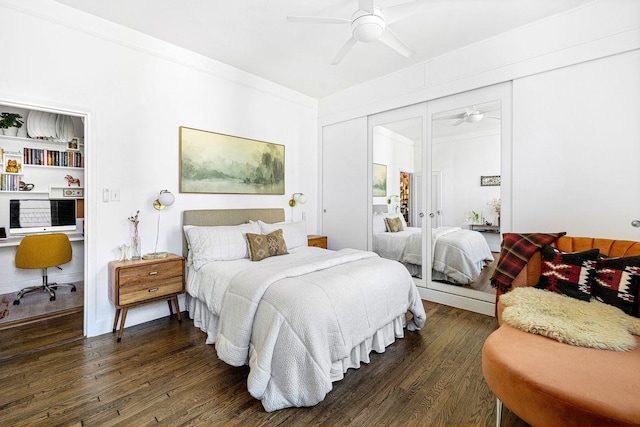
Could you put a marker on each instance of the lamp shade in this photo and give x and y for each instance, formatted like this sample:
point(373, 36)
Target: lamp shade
point(297, 198)
point(300, 198)
point(165, 198)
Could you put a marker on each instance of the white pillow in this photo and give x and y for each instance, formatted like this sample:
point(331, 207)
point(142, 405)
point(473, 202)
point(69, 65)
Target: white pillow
point(218, 243)
point(395, 215)
point(379, 226)
point(295, 233)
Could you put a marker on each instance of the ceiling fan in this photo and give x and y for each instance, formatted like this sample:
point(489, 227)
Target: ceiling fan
point(368, 24)
point(470, 115)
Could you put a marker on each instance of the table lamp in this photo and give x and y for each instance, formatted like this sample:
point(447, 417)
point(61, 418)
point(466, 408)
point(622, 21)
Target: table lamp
point(165, 198)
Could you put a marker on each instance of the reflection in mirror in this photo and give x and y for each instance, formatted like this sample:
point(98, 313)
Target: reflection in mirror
point(397, 195)
point(465, 155)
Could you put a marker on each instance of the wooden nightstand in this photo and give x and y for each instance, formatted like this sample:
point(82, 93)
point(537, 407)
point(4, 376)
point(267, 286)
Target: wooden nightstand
point(134, 283)
point(317, 241)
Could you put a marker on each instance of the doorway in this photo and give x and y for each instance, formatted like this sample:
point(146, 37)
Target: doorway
point(48, 163)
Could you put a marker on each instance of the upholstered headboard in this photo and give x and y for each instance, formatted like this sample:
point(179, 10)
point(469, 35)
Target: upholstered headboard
point(228, 217)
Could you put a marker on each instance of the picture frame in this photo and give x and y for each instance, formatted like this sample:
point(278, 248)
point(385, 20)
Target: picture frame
point(490, 181)
point(74, 144)
point(217, 163)
point(379, 179)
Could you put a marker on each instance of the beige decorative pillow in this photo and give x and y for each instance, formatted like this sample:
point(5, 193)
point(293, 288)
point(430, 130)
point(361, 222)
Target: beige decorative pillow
point(394, 224)
point(263, 246)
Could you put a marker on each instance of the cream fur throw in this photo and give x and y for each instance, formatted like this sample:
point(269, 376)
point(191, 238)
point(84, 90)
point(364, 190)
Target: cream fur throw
point(569, 320)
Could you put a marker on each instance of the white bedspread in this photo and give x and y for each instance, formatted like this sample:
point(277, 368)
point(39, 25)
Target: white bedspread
point(459, 255)
point(293, 317)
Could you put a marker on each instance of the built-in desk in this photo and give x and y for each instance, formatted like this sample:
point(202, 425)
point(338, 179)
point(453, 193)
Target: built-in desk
point(15, 240)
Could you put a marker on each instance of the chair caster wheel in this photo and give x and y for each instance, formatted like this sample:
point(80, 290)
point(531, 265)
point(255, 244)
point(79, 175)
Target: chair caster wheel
point(52, 298)
point(16, 302)
point(73, 289)
point(119, 339)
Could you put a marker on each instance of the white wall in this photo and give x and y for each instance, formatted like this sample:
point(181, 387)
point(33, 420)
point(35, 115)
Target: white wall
point(136, 91)
point(576, 150)
point(397, 153)
point(462, 161)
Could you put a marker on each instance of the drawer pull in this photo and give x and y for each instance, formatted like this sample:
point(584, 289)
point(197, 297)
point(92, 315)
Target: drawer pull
point(153, 273)
point(153, 289)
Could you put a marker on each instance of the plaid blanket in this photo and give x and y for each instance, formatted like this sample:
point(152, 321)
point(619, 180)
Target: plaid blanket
point(515, 251)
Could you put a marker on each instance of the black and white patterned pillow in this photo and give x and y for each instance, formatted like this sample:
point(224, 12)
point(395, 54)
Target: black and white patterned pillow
point(617, 282)
point(571, 274)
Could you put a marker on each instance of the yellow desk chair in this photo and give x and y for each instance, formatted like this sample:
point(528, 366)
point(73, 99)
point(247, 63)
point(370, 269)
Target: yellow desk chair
point(43, 251)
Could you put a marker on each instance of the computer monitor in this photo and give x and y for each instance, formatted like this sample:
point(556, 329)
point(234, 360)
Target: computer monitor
point(42, 215)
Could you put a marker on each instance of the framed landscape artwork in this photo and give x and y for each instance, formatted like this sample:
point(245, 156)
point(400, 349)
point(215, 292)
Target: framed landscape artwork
point(216, 163)
point(379, 175)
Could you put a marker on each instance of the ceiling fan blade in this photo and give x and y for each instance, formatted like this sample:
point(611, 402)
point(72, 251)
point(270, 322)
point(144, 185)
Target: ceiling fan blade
point(453, 116)
point(458, 122)
point(401, 11)
point(490, 109)
point(346, 47)
point(366, 5)
point(393, 41)
point(317, 20)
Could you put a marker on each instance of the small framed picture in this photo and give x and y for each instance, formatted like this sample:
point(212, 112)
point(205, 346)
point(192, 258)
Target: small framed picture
point(74, 144)
point(489, 181)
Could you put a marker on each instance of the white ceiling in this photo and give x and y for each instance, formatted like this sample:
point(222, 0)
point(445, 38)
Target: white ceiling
point(253, 35)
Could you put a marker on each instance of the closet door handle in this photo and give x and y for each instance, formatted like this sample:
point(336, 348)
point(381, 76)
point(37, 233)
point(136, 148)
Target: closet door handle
point(421, 214)
point(635, 223)
point(432, 215)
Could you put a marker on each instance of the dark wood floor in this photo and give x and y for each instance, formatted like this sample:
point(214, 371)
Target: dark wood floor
point(163, 373)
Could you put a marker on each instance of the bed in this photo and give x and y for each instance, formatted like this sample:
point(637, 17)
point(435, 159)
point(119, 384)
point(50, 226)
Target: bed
point(458, 255)
point(299, 320)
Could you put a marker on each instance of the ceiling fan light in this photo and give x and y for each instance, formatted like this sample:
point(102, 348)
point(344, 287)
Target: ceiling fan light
point(368, 28)
point(474, 117)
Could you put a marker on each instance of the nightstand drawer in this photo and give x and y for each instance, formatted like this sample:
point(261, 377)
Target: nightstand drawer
point(317, 241)
point(149, 289)
point(149, 272)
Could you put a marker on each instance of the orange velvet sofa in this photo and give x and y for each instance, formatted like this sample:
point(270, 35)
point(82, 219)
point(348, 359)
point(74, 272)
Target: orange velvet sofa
point(548, 383)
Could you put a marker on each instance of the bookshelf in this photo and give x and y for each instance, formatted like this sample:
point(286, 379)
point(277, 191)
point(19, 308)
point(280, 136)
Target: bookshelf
point(21, 157)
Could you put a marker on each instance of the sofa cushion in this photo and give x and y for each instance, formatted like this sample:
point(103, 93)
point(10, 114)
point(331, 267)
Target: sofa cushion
point(570, 274)
point(546, 382)
point(617, 282)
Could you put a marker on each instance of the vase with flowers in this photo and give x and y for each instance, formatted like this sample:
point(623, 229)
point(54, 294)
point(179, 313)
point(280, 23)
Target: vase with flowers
point(495, 204)
point(136, 248)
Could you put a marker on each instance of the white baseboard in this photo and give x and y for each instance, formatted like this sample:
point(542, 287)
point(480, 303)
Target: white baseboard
point(458, 301)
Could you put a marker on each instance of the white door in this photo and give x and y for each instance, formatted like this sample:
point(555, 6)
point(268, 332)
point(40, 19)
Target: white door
point(416, 196)
point(345, 184)
point(436, 198)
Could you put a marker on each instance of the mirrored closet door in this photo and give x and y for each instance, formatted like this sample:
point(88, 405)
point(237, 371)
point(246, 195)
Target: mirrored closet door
point(468, 147)
point(397, 201)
